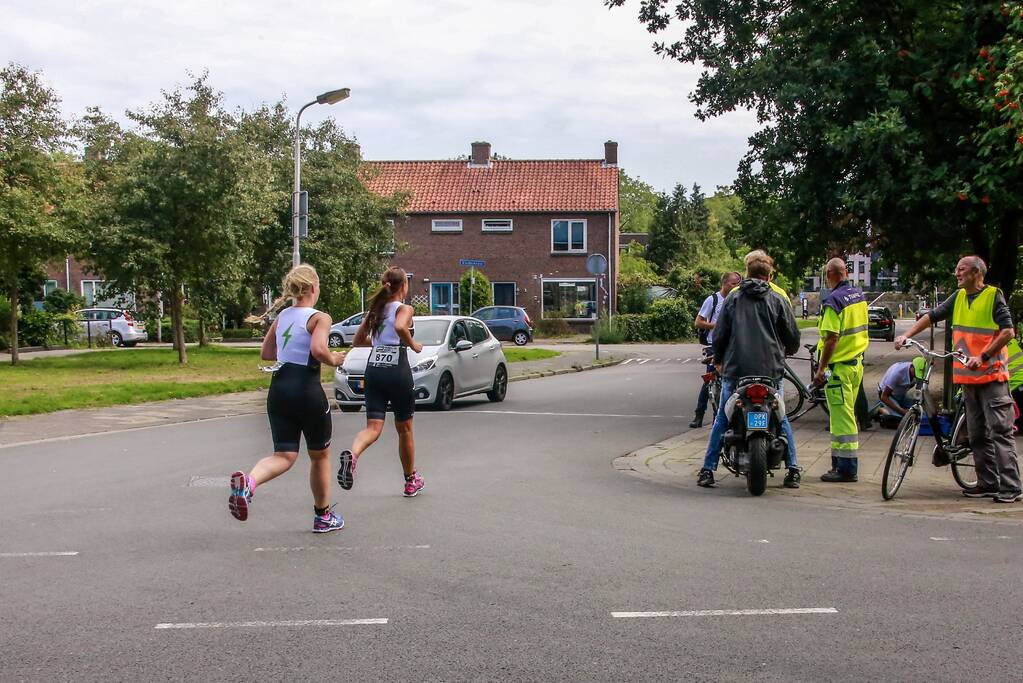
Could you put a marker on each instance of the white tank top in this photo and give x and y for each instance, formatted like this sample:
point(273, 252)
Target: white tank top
point(385, 333)
point(293, 338)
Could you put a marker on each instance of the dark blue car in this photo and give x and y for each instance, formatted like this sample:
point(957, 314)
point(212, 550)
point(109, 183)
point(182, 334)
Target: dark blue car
point(507, 323)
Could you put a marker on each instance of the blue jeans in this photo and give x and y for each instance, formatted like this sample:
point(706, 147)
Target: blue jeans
point(713, 454)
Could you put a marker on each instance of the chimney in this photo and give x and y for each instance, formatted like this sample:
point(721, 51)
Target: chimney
point(610, 153)
point(480, 154)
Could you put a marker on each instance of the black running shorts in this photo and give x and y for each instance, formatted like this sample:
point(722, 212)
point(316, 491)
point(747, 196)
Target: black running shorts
point(297, 406)
point(390, 385)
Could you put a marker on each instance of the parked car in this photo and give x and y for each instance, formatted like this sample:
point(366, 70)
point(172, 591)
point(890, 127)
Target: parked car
point(119, 324)
point(460, 357)
point(880, 323)
point(342, 333)
point(507, 323)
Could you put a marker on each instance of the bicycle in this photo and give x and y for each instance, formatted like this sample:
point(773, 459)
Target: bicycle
point(712, 379)
point(796, 392)
point(954, 448)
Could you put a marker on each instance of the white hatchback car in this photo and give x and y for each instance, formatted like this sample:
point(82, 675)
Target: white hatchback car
point(342, 333)
point(460, 357)
point(122, 328)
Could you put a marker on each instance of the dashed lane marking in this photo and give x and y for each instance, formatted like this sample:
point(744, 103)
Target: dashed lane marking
point(726, 612)
point(272, 624)
point(288, 549)
point(523, 412)
point(60, 553)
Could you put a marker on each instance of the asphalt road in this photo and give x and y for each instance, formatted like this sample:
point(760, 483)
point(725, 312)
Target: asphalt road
point(511, 565)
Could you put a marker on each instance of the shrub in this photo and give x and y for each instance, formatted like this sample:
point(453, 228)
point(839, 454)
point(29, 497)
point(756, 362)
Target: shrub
point(38, 328)
point(635, 327)
point(552, 327)
point(671, 319)
point(62, 301)
point(611, 331)
point(242, 333)
point(420, 308)
point(482, 292)
point(191, 329)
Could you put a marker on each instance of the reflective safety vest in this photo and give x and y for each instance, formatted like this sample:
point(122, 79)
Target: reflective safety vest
point(1015, 364)
point(851, 307)
point(778, 289)
point(973, 328)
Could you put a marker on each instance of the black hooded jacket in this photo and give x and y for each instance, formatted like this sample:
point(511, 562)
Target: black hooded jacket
point(754, 332)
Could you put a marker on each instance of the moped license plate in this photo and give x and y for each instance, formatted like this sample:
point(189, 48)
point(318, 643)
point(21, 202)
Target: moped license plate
point(756, 420)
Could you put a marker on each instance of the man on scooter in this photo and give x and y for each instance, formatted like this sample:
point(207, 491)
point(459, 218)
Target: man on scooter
point(754, 332)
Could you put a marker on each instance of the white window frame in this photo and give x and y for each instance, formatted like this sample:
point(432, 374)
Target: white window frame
point(450, 228)
point(570, 221)
point(56, 286)
point(515, 293)
point(94, 283)
point(503, 228)
point(588, 280)
point(452, 291)
point(394, 239)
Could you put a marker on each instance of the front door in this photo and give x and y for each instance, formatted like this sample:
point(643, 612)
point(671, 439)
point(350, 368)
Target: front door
point(444, 298)
point(504, 293)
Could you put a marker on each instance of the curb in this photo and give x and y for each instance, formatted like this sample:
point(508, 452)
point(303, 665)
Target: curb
point(565, 371)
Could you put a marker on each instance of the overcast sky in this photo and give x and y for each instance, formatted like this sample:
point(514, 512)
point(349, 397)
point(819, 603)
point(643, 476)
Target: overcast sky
point(536, 78)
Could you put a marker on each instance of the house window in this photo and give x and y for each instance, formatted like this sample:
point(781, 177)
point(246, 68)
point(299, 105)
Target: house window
point(504, 293)
point(497, 225)
point(49, 287)
point(574, 299)
point(93, 292)
point(568, 237)
point(447, 225)
point(444, 298)
point(389, 247)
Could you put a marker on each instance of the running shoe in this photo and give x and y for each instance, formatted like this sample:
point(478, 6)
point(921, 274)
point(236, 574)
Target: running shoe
point(238, 503)
point(346, 473)
point(413, 485)
point(705, 479)
point(328, 522)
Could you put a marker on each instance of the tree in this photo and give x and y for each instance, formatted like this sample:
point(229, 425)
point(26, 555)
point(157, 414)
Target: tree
point(893, 126)
point(474, 290)
point(184, 196)
point(41, 189)
point(637, 203)
point(680, 230)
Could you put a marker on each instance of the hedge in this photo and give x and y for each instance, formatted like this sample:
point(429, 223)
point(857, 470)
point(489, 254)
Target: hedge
point(668, 320)
point(242, 333)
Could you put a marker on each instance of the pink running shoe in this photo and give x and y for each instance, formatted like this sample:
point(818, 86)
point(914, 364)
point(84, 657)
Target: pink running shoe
point(413, 485)
point(242, 487)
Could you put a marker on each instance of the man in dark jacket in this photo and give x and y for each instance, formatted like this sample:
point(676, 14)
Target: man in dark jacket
point(754, 333)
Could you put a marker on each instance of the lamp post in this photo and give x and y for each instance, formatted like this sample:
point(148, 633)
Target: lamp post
point(330, 97)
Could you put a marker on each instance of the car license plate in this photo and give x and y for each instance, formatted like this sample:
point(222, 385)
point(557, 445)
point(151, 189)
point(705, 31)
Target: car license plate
point(756, 420)
point(358, 384)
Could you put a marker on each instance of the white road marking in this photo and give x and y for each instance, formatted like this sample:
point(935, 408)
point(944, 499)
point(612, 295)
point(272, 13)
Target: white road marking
point(645, 360)
point(940, 538)
point(266, 624)
point(686, 361)
point(627, 361)
point(523, 412)
point(726, 612)
point(763, 540)
point(287, 549)
point(62, 553)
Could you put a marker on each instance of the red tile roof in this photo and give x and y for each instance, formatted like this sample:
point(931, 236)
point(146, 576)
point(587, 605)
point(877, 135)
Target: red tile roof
point(504, 186)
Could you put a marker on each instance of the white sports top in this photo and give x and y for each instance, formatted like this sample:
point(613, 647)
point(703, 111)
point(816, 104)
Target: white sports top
point(385, 334)
point(293, 338)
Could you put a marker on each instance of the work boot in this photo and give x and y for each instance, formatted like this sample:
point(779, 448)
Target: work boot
point(697, 421)
point(834, 476)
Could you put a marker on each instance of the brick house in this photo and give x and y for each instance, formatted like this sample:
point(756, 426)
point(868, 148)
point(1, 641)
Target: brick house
point(75, 276)
point(533, 222)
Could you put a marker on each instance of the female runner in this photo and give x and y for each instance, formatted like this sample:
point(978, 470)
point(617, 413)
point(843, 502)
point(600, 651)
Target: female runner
point(296, 404)
point(387, 327)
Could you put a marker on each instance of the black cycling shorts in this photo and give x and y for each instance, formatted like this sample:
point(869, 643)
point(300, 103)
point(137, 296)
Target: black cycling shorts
point(391, 385)
point(297, 406)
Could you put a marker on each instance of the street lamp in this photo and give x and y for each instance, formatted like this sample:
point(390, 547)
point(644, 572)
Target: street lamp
point(329, 97)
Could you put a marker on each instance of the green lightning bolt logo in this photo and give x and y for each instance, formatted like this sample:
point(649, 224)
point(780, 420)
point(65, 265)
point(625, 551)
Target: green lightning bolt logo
point(287, 336)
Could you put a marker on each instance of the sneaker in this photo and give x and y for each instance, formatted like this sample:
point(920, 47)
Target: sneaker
point(834, 477)
point(238, 503)
point(346, 473)
point(697, 421)
point(706, 479)
point(792, 479)
point(413, 485)
point(328, 522)
point(1008, 497)
point(980, 492)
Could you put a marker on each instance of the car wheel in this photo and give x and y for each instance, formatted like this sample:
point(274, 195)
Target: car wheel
point(500, 389)
point(335, 340)
point(445, 392)
point(520, 338)
point(349, 409)
point(115, 339)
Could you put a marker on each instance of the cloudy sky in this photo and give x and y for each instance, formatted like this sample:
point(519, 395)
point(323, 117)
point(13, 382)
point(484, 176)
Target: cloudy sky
point(536, 78)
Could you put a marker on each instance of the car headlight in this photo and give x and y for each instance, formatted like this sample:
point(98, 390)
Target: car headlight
point(341, 371)
point(425, 365)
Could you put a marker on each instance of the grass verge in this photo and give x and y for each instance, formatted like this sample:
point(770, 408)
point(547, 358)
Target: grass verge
point(804, 324)
point(518, 355)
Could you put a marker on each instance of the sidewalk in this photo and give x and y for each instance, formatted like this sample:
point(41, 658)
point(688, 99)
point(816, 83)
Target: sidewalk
point(73, 423)
point(926, 490)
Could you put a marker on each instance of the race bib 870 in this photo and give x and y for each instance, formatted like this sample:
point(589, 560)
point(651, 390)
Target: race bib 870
point(384, 356)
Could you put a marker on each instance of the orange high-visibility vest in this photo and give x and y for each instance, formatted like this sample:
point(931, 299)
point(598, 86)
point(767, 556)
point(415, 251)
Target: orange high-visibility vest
point(973, 328)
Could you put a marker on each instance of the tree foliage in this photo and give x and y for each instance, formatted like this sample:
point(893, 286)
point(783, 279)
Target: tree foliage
point(478, 284)
point(637, 203)
point(892, 126)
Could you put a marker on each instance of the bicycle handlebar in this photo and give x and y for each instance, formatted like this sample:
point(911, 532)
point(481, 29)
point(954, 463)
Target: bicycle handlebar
point(924, 351)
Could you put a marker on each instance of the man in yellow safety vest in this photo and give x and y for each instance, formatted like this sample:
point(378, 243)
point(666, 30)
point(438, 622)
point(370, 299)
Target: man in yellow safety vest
point(981, 328)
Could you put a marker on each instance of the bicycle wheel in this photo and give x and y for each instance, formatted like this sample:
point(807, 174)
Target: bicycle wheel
point(900, 455)
point(793, 393)
point(964, 469)
point(714, 396)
